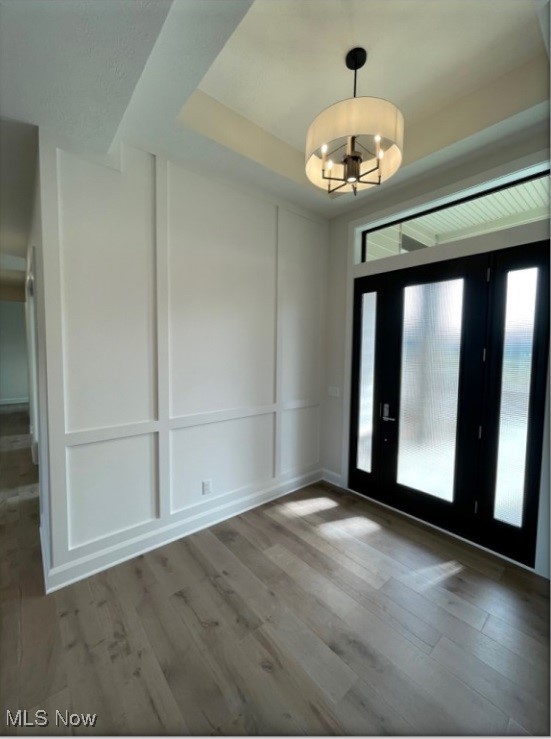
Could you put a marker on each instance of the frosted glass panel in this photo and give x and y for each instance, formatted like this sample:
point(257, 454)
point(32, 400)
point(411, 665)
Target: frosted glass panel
point(365, 430)
point(430, 380)
point(515, 395)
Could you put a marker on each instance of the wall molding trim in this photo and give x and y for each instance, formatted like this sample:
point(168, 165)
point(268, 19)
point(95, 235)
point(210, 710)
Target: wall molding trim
point(202, 375)
point(229, 414)
point(63, 575)
point(110, 433)
point(333, 478)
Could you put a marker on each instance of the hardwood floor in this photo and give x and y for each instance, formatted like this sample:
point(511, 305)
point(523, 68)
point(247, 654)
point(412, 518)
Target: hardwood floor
point(318, 614)
point(17, 471)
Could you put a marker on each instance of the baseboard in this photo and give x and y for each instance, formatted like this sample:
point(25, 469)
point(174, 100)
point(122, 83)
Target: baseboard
point(63, 575)
point(45, 549)
point(13, 401)
point(333, 478)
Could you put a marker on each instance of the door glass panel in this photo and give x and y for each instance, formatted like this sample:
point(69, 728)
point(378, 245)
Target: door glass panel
point(515, 395)
point(367, 367)
point(429, 387)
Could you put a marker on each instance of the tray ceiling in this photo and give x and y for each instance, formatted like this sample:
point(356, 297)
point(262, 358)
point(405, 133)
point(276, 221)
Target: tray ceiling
point(231, 86)
point(285, 61)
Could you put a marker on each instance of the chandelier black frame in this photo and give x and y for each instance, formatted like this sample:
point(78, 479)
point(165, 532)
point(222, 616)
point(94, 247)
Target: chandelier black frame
point(355, 59)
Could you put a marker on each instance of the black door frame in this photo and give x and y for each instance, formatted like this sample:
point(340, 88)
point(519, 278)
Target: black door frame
point(471, 514)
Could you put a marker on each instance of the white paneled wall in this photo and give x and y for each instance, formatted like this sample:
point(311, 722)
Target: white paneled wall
point(97, 473)
point(108, 298)
point(301, 306)
point(184, 345)
point(300, 438)
point(222, 305)
point(237, 454)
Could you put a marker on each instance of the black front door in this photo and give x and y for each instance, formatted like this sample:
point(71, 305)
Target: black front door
point(449, 367)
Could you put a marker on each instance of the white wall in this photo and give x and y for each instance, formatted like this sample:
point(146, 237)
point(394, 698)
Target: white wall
point(342, 270)
point(14, 383)
point(39, 414)
point(184, 339)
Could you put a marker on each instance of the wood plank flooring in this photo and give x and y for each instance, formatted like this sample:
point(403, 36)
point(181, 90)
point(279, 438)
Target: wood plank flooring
point(17, 472)
point(316, 614)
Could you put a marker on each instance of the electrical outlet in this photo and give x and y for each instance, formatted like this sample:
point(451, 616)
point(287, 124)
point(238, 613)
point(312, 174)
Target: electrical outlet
point(207, 487)
point(333, 391)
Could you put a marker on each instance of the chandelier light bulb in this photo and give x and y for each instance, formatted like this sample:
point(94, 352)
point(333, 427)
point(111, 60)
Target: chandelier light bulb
point(378, 138)
point(381, 154)
point(324, 149)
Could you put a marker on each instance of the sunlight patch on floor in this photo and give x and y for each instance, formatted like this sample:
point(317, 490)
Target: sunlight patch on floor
point(344, 528)
point(426, 577)
point(304, 507)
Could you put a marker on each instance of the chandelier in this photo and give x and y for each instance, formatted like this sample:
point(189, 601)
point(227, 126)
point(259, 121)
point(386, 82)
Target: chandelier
point(357, 143)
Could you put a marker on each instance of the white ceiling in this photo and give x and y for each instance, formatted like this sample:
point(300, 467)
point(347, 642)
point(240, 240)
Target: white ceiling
point(72, 66)
point(285, 62)
point(174, 77)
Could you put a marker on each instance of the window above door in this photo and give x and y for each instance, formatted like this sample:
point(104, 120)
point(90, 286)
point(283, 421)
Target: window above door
point(498, 208)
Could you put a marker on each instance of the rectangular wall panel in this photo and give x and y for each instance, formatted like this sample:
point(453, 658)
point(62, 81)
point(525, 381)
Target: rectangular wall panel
point(302, 255)
point(300, 439)
point(222, 261)
point(108, 297)
point(230, 454)
point(111, 487)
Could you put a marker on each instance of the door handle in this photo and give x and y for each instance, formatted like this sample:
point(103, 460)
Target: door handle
point(385, 412)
